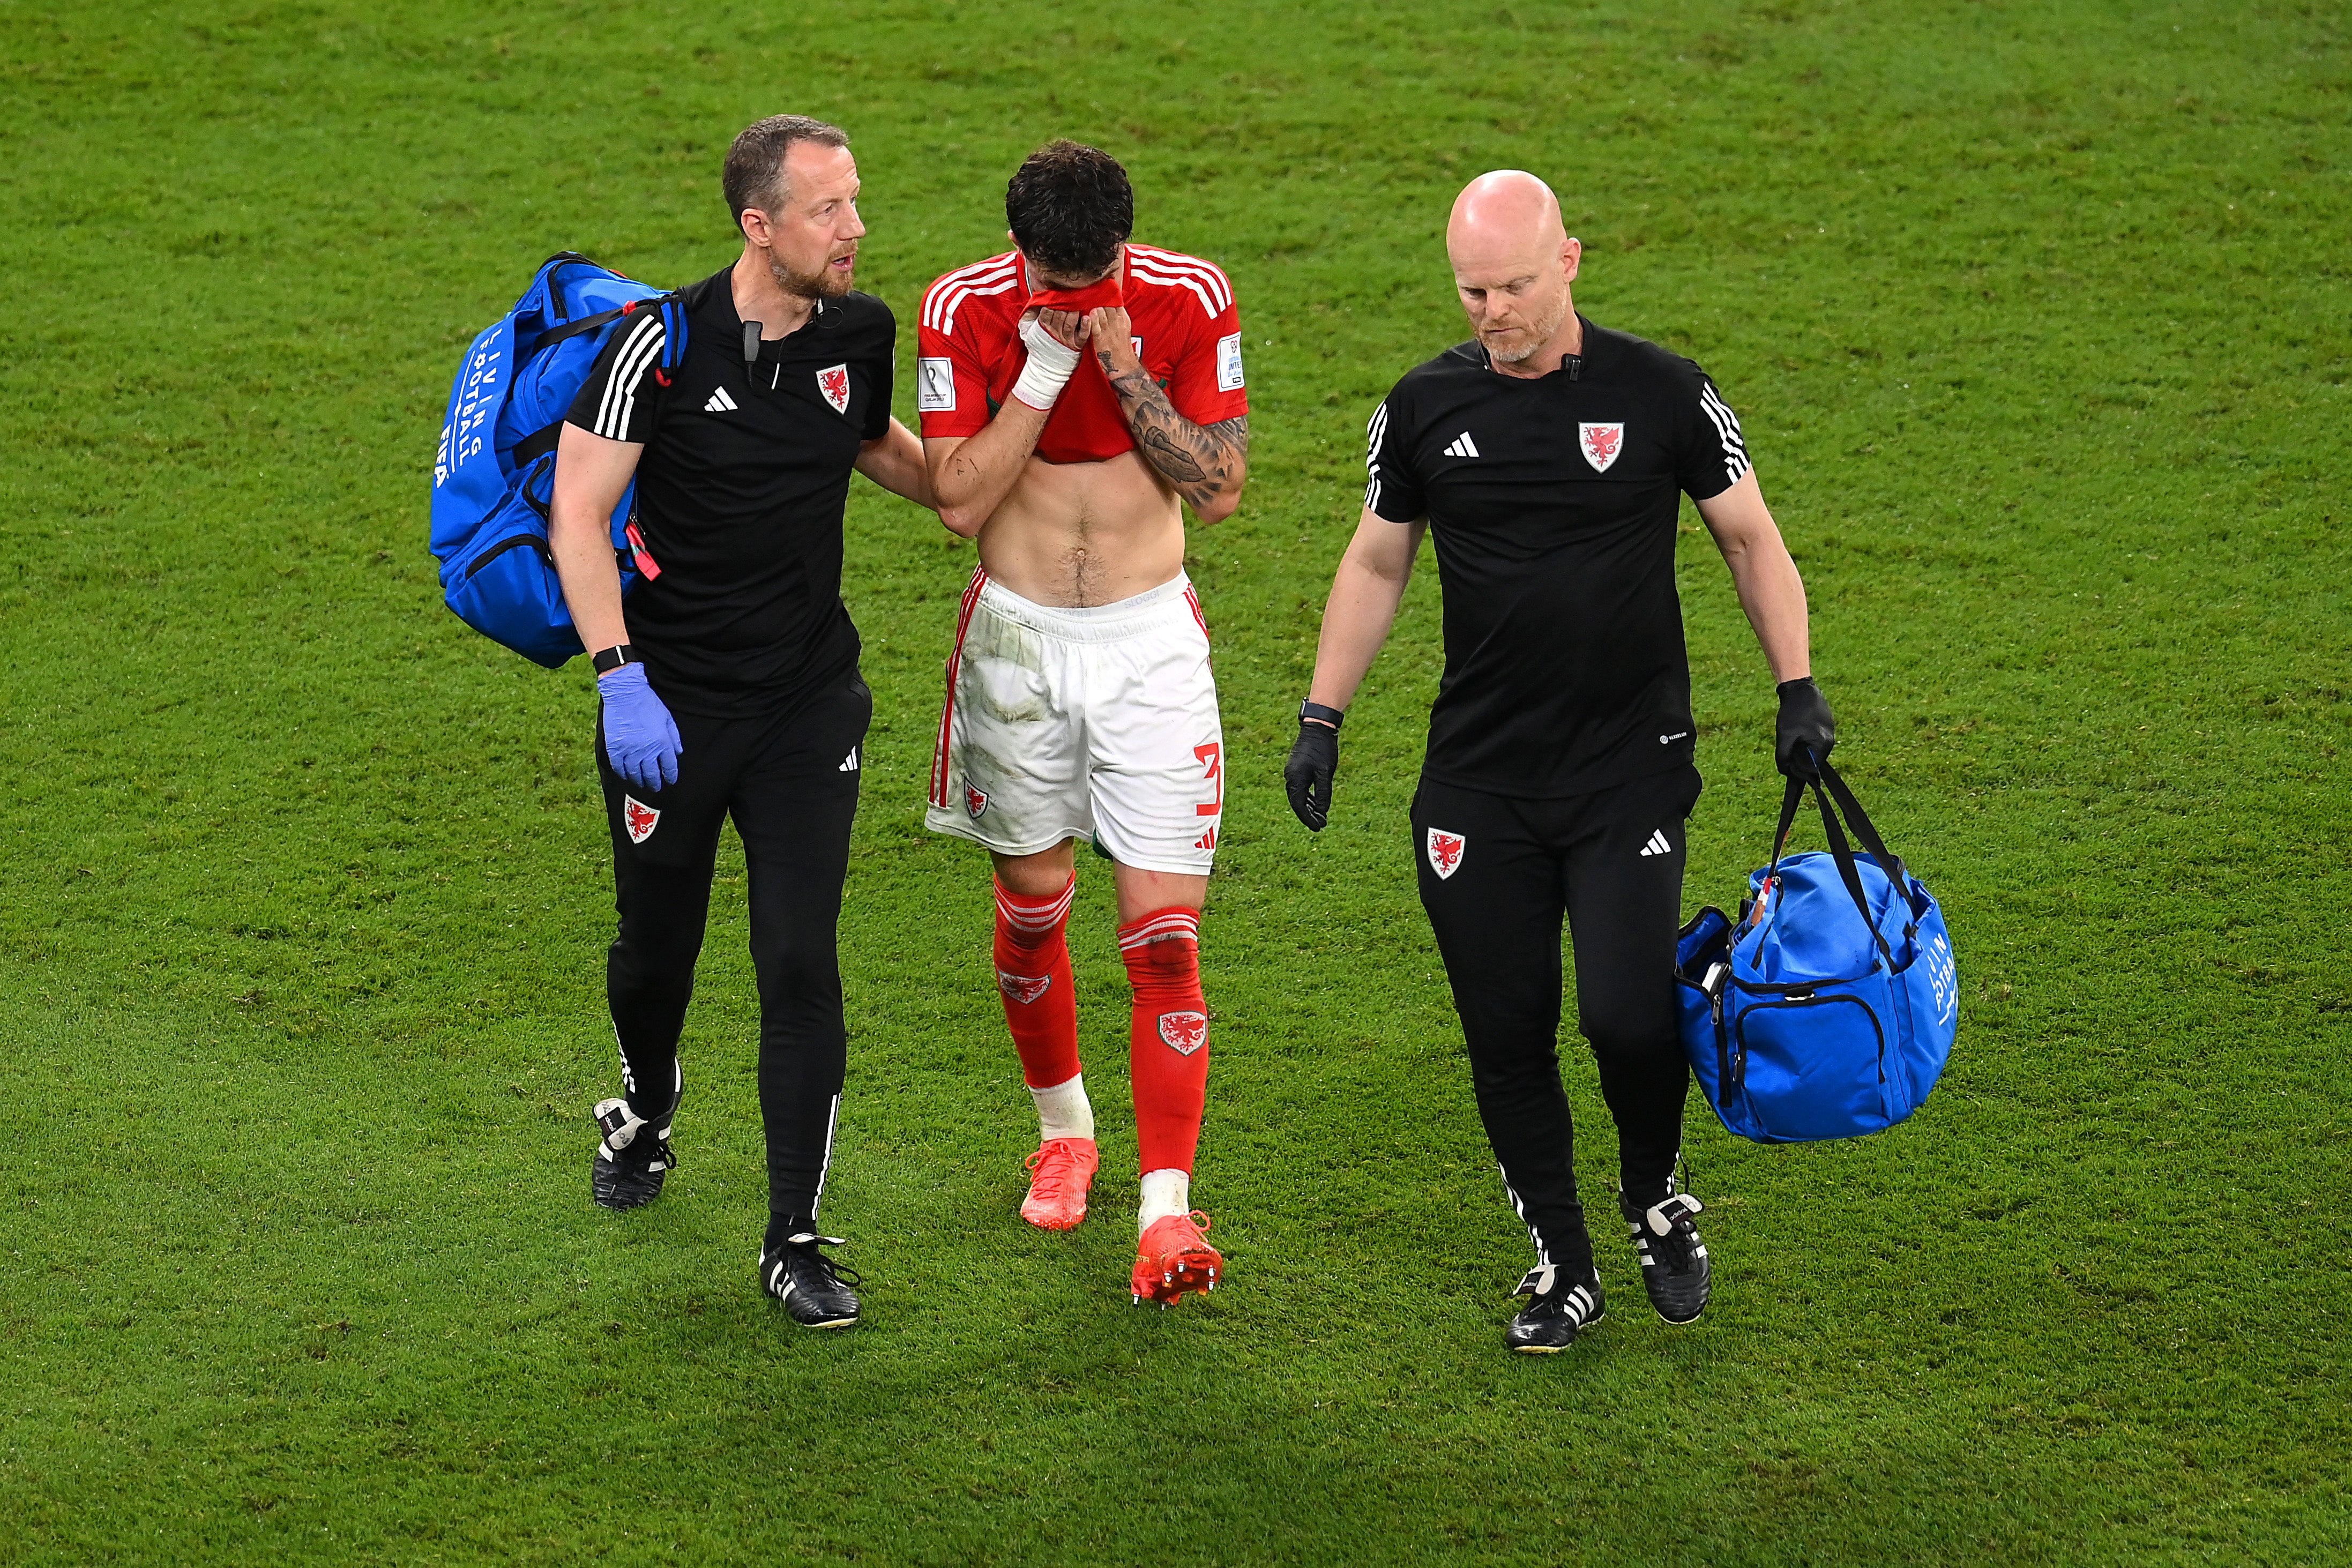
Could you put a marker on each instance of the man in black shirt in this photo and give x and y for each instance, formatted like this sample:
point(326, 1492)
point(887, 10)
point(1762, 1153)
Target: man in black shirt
point(1550, 456)
point(731, 687)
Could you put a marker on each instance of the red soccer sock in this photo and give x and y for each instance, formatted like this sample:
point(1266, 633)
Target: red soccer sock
point(1169, 1037)
point(1032, 969)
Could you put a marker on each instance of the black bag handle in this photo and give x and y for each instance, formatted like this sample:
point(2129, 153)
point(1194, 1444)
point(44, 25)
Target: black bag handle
point(1851, 875)
point(1840, 850)
point(1859, 820)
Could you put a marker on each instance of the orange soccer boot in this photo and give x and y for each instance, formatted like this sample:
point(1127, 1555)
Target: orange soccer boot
point(1174, 1256)
point(1062, 1169)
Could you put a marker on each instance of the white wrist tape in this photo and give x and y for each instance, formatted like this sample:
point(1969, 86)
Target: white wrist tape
point(1048, 369)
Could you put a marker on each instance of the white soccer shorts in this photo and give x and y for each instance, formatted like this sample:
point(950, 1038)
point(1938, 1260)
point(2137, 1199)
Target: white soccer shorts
point(1096, 724)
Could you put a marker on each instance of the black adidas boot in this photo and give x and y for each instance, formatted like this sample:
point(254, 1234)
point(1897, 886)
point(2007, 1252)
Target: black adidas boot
point(634, 1155)
point(1562, 1309)
point(815, 1290)
point(1674, 1259)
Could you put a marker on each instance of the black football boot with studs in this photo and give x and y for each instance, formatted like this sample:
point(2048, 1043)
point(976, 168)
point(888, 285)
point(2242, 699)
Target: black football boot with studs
point(1674, 1270)
point(1563, 1308)
point(634, 1155)
point(815, 1290)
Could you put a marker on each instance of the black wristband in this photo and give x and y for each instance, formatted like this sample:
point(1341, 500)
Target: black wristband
point(612, 659)
point(1332, 716)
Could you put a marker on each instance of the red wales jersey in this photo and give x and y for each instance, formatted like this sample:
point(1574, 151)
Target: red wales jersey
point(1187, 332)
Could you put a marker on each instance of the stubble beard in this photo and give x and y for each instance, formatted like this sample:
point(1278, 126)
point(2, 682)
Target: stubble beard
point(1539, 334)
point(824, 283)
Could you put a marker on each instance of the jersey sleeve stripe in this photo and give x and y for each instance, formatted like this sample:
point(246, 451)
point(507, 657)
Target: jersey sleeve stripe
point(1221, 288)
point(954, 302)
point(636, 357)
point(1373, 431)
point(1171, 261)
point(1736, 462)
point(951, 288)
point(1203, 284)
point(1726, 423)
point(1180, 281)
point(638, 351)
point(942, 315)
point(994, 264)
point(943, 293)
point(954, 283)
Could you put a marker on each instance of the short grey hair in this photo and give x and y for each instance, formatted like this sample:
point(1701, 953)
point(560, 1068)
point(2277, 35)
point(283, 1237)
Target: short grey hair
point(755, 165)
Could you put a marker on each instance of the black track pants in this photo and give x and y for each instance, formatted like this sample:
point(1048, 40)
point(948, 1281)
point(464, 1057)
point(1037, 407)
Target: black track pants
point(1497, 874)
point(789, 782)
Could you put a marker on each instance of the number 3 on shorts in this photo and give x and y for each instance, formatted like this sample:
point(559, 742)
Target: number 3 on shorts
point(1212, 758)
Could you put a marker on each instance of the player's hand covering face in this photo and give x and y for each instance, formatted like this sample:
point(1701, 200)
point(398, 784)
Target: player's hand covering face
point(1068, 327)
point(1113, 337)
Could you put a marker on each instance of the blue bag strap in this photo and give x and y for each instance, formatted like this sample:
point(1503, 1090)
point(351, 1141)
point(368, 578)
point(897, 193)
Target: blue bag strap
point(673, 314)
point(573, 328)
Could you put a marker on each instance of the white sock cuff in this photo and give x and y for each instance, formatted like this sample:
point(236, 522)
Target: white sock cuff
point(1064, 1110)
point(1164, 1193)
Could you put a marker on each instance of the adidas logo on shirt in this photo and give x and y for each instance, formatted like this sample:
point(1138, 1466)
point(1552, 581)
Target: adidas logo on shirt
point(1657, 845)
point(849, 763)
point(720, 402)
point(1463, 446)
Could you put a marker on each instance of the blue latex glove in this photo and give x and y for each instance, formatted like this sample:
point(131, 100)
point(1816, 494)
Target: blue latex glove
point(640, 737)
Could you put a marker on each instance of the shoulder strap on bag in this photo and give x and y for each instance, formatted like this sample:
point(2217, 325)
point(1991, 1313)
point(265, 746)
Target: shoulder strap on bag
point(541, 441)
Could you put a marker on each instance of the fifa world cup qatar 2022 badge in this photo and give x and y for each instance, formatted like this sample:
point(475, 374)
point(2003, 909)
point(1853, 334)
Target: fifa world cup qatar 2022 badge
point(1601, 444)
point(639, 818)
point(1445, 852)
point(1184, 1031)
point(833, 382)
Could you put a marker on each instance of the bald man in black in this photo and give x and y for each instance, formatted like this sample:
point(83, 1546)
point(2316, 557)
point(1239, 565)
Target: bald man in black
point(1549, 456)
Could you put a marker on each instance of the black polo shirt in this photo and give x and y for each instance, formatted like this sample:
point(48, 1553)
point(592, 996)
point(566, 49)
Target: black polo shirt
point(740, 491)
point(1553, 503)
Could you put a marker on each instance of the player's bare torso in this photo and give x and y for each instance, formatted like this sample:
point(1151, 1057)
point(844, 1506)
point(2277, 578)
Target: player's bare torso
point(1078, 535)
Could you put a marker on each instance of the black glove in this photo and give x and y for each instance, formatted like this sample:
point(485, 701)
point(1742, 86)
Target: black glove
point(1314, 758)
point(1802, 740)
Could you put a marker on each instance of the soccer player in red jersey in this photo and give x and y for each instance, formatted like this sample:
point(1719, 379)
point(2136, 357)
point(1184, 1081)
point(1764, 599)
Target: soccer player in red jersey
point(1073, 391)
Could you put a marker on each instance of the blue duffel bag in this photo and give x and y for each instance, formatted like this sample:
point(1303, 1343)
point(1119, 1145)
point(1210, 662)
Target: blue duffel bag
point(1827, 1010)
point(494, 473)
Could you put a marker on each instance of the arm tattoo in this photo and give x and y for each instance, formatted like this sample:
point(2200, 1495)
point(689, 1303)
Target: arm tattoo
point(1201, 461)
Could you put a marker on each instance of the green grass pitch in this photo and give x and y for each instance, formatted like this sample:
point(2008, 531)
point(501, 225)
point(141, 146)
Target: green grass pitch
point(2036, 314)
